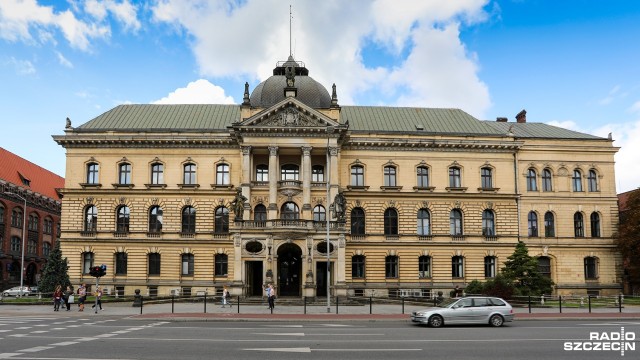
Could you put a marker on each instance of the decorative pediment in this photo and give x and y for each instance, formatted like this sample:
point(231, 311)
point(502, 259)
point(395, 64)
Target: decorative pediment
point(289, 113)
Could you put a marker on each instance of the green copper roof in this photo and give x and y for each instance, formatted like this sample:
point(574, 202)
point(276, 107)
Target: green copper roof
point(155, 117)
point(539, 130)
point(412, 120)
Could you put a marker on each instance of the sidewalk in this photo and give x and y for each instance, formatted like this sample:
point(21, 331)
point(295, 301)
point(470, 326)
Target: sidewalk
point(214, 312)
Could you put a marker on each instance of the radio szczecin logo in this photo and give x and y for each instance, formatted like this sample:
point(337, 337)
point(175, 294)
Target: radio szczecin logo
point(605, 341)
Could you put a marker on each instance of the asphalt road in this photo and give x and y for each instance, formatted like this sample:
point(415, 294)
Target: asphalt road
point(118, 337)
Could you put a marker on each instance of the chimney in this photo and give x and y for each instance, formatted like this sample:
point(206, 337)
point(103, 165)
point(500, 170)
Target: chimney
point(502, 119)
point(521, 117)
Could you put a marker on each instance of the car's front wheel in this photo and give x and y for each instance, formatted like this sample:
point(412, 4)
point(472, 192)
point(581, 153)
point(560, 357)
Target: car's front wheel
point(436, 321)
point(496, 320)
point(5, 294)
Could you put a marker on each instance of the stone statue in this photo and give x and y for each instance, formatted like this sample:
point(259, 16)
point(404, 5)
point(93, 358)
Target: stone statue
point(68, 125)
point(339, 206)
point(238, 204)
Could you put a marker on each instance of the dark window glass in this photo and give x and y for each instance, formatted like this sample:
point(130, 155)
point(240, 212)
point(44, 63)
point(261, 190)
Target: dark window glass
point(46, 248)
point(391, 265)
point(577, 181)
point(187, 264)
point(593, 181)
point(454, 177)
point(422, 173)
point(155, 219)
point(532, 221)
point(221, 265)
point(489, 266)
point(488, 223)
point(457, 267)
point(357, 221)
point(549, 225)
point(590, 268)
point(122, 222)
point(319, 213)
point(595, 225)
point(290, 211)
point(486, 178)
point(189, 175)
point(260, 213)
point(357, 267)
point(546, 180)
point(16, 244)
point(390, 176)
point(121, 263)
point(157, 174)
point(189, 220)
point(578, 224)
point(390, 222)
point(92, 173)
point(532, 180)
point(455, 222)
point(424, 222)
point(317, 173)
point(154, 264)
point(124, 174)
point(222, 220)
point(357, 175)
point(544, 266)
point(424, 267)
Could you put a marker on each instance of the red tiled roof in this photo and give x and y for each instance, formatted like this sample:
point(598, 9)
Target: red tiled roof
point(14, 169)
point(623, 198)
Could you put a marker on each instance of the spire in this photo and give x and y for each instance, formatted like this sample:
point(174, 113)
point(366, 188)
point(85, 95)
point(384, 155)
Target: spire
point(334, 96)
point(290, 20)
point(245, 99)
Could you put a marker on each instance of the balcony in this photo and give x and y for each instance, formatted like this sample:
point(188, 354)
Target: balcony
point(457, 238)
point(290, 187)
point(289, 224)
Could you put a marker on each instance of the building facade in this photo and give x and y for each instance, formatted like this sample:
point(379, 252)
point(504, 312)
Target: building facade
point(22, 181)
point(289, 184)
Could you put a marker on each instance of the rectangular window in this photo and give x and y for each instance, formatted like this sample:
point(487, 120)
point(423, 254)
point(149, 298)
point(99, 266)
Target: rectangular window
point(424, 267)
point(423, 177)
point(454, 177)
point(357, 176)
point(87, 262)
point(121, 263)
point(221, 265)
point(489, 267)
point(357, 267)
point(125, 174)
point(154, 264)
point(457, 267)
point(157, 174)
point(222, 174)
point(486, 178)
point(389, 176)
point(590, 268)
point(391, 267)
point(187, 264)
point(92, 174)
point(189, 177)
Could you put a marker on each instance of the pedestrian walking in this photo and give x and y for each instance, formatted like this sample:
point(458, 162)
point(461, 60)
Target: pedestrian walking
point(82, 296)
point(225, 296)
point(98, 295)
point(271, 297)
point(67, 296)
point(57, 298)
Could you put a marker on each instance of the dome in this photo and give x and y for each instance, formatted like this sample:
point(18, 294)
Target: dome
point(309, 91)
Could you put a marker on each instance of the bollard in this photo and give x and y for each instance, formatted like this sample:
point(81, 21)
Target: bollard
point(560, 302)
point(205, 302)
point(141, 302)
point(620, 303)
point(305, 305)
point(172, 303)
point(337, 306)
point(403, 305)
point(238, 304)
point(589, 297)
point(370, 305)
point(529, 304)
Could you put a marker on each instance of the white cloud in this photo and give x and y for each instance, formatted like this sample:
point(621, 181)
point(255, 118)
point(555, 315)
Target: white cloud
point(610, 96)
point(329, 38)
point(22, 67)
point(626, 137)
point(26, 20)
point(63, 60)
point(567, 124)
point(635, 108)
point(197, 92)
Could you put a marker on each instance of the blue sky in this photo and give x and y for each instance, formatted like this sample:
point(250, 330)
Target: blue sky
point(572, 63)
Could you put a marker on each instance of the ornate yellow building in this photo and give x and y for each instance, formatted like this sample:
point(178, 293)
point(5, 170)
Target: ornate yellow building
point(188, 198)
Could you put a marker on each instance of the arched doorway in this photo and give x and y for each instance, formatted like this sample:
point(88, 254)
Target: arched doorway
point(289, 270)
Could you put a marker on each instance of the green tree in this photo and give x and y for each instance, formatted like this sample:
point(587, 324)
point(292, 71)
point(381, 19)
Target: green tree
point(628, 238)
point(54, 272)
point(522, 271)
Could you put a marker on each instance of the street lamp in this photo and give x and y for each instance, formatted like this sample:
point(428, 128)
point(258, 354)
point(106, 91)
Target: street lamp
point(24, 233)
point(330, 130)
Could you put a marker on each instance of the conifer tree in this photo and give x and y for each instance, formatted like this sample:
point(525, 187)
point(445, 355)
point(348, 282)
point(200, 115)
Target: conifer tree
point(54, 272)
point(522, 270)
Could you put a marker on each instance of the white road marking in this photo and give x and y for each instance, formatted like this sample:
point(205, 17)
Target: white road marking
point(281, 334)
point(8, 355)
point(65, 343)
point(296, 350)
point(40, 332)
point(284, 326)
point(36, 349)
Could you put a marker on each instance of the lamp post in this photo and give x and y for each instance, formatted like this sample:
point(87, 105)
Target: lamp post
point(24, 233)
point(330, 130)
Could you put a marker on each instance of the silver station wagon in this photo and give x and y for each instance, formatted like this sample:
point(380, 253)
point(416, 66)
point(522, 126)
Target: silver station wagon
point(467, 310)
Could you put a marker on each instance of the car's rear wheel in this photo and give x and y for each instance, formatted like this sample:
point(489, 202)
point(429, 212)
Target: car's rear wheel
point(436, 321)
point(5, 294)
point(496, 320)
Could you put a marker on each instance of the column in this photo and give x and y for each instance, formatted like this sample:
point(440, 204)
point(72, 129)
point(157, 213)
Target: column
point(273, 182)
point(335, 176)
point(306, 178)
point(245, 181)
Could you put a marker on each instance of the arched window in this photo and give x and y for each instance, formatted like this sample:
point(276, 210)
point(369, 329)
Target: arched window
point(455, 222)
point(222, 220)
point(121, 263)
point(34, 222)
point(124, 174)
point(153, 263)
point(457, 267)
point(16, 218)
point(290, 211)
point(32, 247)
point(221, 265)
point(262, 173)
point(189, 174)
point(188, 220)
point(390, 222)
point(87, 262)
point(358, 267)
point(590, 268)
point(488, 223)
point(122, 221)
point(454, 177)
point(91, 218)
point(187, 264)
point(532, 180)
point(317, 173)
point(260, 213)
point(390, 176)
point(547, 185)
point(549, 224)
point(577, 180)
point(93, 173)
point(544, 266)
point(157, 174)
point(155, 219)
point(357, 175)
point(424, 267)
point(319, 213)
point(489, 266)
point(593, 181)
point(289, 172)
point(595, 224)
point(424, 222)
point(422, 173)
point(578, 224)
point(222, 174)
point(486, 178)
point(47, 226)
point(391, 267)
point(532, 224)
point(357, 221)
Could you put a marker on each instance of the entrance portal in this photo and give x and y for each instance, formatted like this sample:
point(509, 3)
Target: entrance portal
point(321, 277)
point(289, 270)
point(253, 280)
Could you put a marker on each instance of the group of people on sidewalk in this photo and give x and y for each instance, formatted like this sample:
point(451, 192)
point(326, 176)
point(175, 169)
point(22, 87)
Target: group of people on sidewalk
point(269, 292)
point(68, 297)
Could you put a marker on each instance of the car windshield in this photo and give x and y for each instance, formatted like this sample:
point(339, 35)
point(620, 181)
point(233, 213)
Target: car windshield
point(447, 302)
